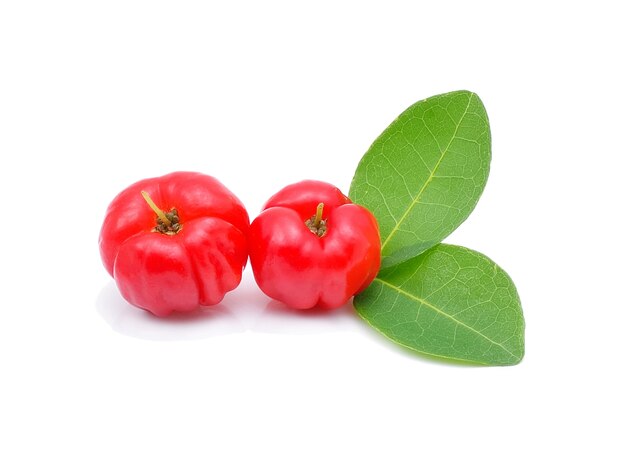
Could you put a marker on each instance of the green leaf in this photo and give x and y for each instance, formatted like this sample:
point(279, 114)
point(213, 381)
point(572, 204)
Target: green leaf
point(424, 174)
point(449, 302)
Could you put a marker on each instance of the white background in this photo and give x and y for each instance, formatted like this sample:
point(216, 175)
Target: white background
point(97, 95)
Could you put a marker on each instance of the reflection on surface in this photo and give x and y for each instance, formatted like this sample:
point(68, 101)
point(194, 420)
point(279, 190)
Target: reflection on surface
point(244, 309)
point(278, 318)
point(127, 319)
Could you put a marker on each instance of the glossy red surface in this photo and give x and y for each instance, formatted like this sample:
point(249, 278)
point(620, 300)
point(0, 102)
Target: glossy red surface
point(293, 265)
point(196, 266)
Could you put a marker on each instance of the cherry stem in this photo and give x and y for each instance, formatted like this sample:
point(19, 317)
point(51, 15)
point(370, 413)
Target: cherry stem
point(156, 209)
point(318, 215)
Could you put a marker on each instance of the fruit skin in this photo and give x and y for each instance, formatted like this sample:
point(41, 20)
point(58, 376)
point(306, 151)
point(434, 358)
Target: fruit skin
point(294, 265)
point(195, 266)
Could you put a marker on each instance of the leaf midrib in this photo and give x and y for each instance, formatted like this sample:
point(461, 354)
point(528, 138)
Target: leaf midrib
point(417, 198)
point(451, 317)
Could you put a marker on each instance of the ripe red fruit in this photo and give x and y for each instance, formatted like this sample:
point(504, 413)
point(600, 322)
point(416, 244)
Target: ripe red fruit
point(188, 254)
point(310, 246)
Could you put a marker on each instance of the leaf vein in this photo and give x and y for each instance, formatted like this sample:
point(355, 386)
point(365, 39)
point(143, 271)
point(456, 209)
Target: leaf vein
point(430, 177)
point(445, 314)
